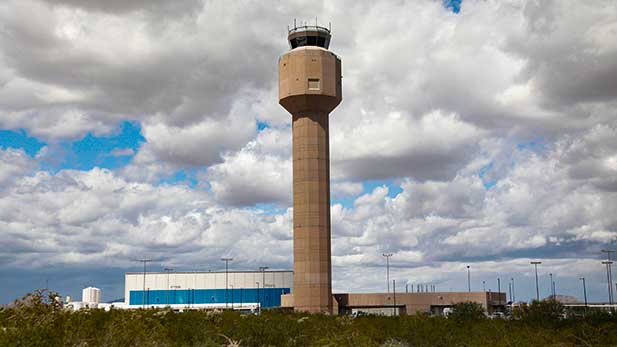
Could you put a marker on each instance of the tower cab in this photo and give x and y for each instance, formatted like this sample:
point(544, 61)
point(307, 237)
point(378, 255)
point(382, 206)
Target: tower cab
point(309, 35)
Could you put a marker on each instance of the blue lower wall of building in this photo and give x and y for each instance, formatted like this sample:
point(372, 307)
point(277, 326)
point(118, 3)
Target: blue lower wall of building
point(267, 297)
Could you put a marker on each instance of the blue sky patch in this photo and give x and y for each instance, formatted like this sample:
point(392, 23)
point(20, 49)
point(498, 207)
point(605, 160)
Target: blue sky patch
point(488, 184)
point(394, 189)
point(453, 5)
point(110, 152)
point(19, 139)
point(346, 201)
point(269, 209)
point(262, 125)
point(186, 176)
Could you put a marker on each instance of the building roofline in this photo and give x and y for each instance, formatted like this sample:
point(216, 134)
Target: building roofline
point(204, 272)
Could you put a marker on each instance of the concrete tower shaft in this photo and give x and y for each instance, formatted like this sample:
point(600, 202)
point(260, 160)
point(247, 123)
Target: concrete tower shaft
point(310, 88)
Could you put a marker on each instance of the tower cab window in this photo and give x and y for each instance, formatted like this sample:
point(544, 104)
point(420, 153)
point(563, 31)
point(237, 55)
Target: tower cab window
point(311, 40)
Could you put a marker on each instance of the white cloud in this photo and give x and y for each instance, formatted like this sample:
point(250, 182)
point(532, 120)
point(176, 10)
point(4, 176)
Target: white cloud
point(122, 152)
point(255, 174)
point(97, 218)
point(345, 189)
point(15, 164)
point(516, 94)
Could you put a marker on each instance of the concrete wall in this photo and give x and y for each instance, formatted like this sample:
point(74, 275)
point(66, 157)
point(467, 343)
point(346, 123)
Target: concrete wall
point(310, 88)
point(412, 303)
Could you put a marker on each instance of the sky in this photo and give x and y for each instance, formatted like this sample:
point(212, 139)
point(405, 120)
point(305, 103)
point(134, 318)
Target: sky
point(480, 133)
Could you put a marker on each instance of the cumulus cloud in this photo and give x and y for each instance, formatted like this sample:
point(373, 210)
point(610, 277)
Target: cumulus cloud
point(15, 164)
point(344, 189)
point(498, 123)
point(98, 218)
point(161, 7)
point(259, 173)
point(435, 146)
point(537, 205)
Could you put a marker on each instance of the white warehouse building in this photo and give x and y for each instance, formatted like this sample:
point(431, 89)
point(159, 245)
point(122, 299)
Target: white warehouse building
point(201, 290)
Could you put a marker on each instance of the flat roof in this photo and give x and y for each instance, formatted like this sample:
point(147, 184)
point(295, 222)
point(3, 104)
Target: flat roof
point(205, 272)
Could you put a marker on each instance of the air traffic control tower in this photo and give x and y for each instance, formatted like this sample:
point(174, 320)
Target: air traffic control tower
point(309, 89)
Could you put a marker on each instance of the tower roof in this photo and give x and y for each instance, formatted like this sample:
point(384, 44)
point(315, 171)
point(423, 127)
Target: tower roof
point(309, 35)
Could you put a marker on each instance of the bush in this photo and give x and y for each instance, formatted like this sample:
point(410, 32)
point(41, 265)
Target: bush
point(540, 312)
point(37, 320)
point(467, 311)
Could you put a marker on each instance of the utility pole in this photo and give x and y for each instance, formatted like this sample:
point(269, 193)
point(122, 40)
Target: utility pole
point(535, 264)
point(468, 279)
point(608, 279)
point(226, 260)
point(610, 273)
point(143, 296)
point(513, 294)
point(584, 292)
point(551, 288)
point(168, 270)
point(388, 256)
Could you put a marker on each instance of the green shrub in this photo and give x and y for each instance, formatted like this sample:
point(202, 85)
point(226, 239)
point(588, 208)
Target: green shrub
point(37, 320)
point(468, 311)
point(540, 312)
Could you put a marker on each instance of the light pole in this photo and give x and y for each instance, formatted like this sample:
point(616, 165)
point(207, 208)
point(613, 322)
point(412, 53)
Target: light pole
point(226, 260)
point(535, 264)
point(168, 270)
point(584, 291)
point(513, 295)
point(394, 291)
point(468, 279)
point(608, 279)
point(499, 289)
point(484, 286)
point(610, 273)
point(263, 279)
point(551, 288)
point(143, 297)
point(258, 298)
point(388, 255)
